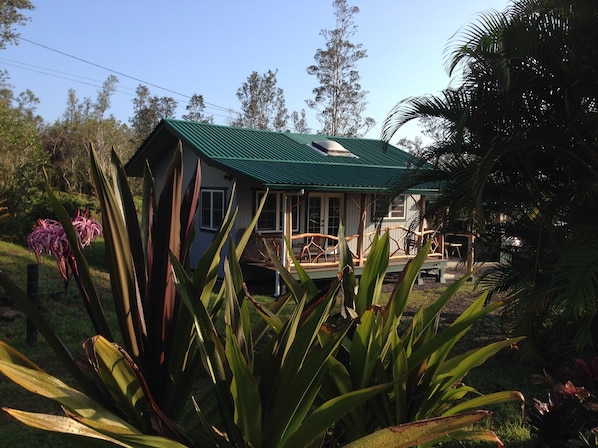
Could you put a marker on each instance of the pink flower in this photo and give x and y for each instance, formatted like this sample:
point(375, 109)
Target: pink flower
point(87, 229)
point(50, 238)
point(570, 389)
point(541, 407)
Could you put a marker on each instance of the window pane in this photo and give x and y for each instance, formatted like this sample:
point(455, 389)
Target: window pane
point(314, 214)
point(206, 207)
point(397, 207)
point(217, 208)
point(293, 203)
point(334, 217)
point(212, 209)
point(267, 219)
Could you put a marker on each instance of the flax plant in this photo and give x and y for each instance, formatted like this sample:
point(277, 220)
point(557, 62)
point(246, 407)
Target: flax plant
point(176, 381)
point(426, 376)
point(159, 360)
point(140, 394)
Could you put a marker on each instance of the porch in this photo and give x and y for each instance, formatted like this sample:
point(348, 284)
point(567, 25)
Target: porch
point(318, 253)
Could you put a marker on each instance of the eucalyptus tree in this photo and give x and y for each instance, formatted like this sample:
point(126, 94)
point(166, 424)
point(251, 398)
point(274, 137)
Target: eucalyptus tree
point(12, 13)
point(299, 121)
point(339, 98)
point(195, 110)
point(519, 142)
point(148, 110)
point(84, 121)
point(262, 103)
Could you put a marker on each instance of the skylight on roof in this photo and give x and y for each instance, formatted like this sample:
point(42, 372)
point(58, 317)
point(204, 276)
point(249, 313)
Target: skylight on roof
point(332, 148)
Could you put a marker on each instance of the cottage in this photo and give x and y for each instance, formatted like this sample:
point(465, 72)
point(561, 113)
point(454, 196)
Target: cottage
point(314, 182)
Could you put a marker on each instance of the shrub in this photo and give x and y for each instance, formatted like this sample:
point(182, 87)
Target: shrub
point(24, 210)
point(569, 417)
point(426, 377)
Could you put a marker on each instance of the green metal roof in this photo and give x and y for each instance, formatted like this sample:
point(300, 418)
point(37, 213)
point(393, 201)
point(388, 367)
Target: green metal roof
point(280, 160)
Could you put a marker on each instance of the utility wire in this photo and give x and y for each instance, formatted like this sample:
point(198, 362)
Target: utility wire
point(226, 109)
point(61, 75)
point(40, 70)
point(86, 81)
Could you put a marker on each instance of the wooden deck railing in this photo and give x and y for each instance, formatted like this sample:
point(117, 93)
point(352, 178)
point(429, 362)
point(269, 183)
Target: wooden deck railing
point(312, 248)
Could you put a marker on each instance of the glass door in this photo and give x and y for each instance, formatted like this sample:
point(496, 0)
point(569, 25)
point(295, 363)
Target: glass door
point(324, 214)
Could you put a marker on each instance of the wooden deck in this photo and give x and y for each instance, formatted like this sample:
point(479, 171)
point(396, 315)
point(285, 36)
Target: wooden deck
point(318, 256)
point(433, 265)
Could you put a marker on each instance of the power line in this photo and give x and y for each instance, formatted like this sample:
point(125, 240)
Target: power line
point(59, 74)
point(44, 70)
point(104, 68)
point(215, 106)
point(95, 83)
point(85, 81)
point(41, 69)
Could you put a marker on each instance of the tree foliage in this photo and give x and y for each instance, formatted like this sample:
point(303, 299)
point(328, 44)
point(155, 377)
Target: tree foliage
point(299, 121)
point(11, 15)
point(84, 122)
point(519, 142)
point(21, 182)
point(148, 110)
point(413, 146)
point(195, 110)
point(339, 99)
point(25, 103)
point(262, 103)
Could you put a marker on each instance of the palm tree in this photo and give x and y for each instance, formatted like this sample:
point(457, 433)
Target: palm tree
point(520, 143)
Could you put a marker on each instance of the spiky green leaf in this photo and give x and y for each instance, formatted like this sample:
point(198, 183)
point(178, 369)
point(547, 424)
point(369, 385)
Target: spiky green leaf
point(417, 433)
point(245, 393)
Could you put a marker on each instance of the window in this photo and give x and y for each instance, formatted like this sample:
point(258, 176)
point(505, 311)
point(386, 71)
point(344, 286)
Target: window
point(212, 209)
point(386, 207)
point(396, 209)
point(268, 218)
point(271, 217)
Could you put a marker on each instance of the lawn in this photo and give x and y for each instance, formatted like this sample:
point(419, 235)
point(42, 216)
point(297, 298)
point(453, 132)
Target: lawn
point(66, 312)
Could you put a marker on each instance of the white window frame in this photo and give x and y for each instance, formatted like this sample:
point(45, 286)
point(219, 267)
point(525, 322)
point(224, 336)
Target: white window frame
point(397, 207)
point(214, 220)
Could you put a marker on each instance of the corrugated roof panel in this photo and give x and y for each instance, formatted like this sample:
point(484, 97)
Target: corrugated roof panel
point(239, 143)
point(251, 144)
point(280, 160)
point(303, 175)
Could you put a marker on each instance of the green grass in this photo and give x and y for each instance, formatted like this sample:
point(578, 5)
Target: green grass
point(67, 314)
point(499, 373)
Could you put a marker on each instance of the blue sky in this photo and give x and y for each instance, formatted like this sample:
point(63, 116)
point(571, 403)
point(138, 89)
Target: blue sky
point(211, 47)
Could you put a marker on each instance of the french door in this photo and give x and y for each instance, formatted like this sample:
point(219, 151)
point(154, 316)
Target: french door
point(324, 211)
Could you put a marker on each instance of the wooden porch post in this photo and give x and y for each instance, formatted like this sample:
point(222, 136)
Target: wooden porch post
point(361, 230)
point(469, 258)
point(421, 208)
point(422, 212)
point(285, 236)
point(288, 228)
